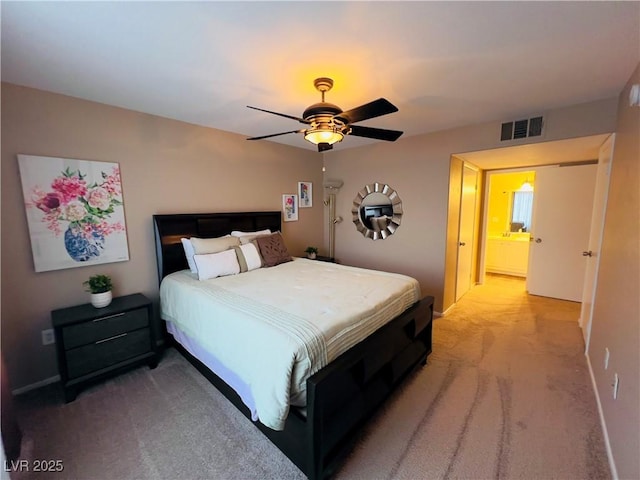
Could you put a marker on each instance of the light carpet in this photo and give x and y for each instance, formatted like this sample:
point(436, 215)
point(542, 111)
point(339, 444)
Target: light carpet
point(506, 394)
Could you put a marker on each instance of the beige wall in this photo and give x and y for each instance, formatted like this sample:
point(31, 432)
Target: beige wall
point(418, 168)
point(616, 316)
point(167, 167)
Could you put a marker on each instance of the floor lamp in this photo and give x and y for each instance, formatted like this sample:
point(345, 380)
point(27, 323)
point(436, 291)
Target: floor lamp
point(332, 187)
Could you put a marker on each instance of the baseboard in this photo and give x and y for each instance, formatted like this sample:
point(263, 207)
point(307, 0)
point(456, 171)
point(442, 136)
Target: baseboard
point(33, 386)
point(442, 314)
point(603, 423)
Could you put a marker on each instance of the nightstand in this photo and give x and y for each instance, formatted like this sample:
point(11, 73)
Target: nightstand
point(93, 343)
point(321, 258)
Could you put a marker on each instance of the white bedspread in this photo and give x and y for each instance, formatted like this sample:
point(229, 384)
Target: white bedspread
point(275, 327)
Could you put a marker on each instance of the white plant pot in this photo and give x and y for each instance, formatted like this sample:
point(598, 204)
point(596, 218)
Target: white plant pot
point(311, 256)
point(100, 300)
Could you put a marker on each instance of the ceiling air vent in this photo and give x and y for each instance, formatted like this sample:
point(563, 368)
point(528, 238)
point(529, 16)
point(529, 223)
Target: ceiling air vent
point(531, 127)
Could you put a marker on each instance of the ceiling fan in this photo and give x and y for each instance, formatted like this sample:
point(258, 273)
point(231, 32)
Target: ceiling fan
point(328, 124)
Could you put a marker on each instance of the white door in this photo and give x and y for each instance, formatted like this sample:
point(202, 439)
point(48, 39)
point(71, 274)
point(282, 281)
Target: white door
point(466, 231)
point(562, 207)
point(595, 236)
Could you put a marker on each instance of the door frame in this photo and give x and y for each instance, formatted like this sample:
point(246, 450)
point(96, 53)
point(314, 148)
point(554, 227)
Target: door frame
point(485, 214)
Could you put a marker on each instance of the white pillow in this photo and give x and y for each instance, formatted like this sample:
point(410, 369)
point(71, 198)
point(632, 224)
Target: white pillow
point(237, 233)
point(189, 252)
point(248, 257)
point(213, 245)
point(212, 265)
point(250, 238)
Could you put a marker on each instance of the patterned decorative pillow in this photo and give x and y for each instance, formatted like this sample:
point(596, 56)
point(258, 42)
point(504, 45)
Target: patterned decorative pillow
point(273, 250)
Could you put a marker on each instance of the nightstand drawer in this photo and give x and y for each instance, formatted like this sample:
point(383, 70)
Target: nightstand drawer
point(104, 327)
point(107, 351)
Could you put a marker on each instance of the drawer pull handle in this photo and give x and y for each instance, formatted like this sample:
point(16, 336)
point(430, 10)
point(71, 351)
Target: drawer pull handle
point(111, 338)
point(107, 317)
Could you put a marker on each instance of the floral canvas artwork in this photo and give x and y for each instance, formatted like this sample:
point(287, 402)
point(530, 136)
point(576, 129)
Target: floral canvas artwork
point(75, 212)
point(290, 207)
point(305, 193)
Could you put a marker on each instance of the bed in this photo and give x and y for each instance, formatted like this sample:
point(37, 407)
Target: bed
point(336, 381)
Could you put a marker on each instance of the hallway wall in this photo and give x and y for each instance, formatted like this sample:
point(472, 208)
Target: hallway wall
point(616, 309)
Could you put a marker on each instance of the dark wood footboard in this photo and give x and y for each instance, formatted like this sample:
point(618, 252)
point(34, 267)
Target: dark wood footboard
point(344, 394)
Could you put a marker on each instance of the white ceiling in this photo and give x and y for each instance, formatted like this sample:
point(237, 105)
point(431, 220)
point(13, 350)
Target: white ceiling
point(443, 64)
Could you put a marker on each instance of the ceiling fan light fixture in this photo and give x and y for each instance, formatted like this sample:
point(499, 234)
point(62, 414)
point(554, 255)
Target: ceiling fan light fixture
point(323, 134)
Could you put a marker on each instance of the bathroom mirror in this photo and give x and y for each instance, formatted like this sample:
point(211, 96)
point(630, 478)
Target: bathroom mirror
point(521, 211)
point(377, 211)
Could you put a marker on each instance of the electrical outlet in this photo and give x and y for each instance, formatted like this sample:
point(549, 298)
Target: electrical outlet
point(615, 385)
point(47, 337)
point(606, 358)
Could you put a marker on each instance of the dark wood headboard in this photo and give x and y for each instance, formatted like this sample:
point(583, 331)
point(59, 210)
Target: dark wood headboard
point(169, 229)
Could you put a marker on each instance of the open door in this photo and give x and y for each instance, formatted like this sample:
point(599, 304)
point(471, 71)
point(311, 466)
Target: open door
point(592, 254)
point(562, 208)
point(466, 231)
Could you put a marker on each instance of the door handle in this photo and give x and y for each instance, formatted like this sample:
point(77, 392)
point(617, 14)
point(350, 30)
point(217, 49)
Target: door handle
point(462, 244)
point(588, 253)
point(538, 240)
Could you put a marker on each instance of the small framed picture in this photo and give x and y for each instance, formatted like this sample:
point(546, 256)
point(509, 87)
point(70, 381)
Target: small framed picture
point(305, 193)
point(290, 207)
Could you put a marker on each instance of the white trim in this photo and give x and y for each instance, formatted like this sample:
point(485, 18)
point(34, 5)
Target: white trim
point(603, 424)
point(501, 271)
point(466, 163)
point(442, 314)
point(33, 386)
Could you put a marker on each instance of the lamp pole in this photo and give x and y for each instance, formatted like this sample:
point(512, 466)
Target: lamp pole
point(332, 224)
point(332, 187)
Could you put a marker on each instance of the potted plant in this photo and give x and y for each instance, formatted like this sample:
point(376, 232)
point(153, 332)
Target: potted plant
point(100, 288)
point(311, 252)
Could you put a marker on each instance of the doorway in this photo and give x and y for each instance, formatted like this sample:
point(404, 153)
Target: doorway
point(507, 225)
point(507, 158)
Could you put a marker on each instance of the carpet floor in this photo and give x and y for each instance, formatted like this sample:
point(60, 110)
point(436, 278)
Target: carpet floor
point(506, 394)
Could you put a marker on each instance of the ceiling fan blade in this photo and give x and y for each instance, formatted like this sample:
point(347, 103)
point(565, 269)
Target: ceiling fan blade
point(301, 120)
point(377, 133)
point(275, 135)
point(323, 147)
point(379, 107)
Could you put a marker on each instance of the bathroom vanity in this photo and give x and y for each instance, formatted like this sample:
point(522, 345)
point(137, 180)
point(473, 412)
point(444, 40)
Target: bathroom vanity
point(508, 255)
